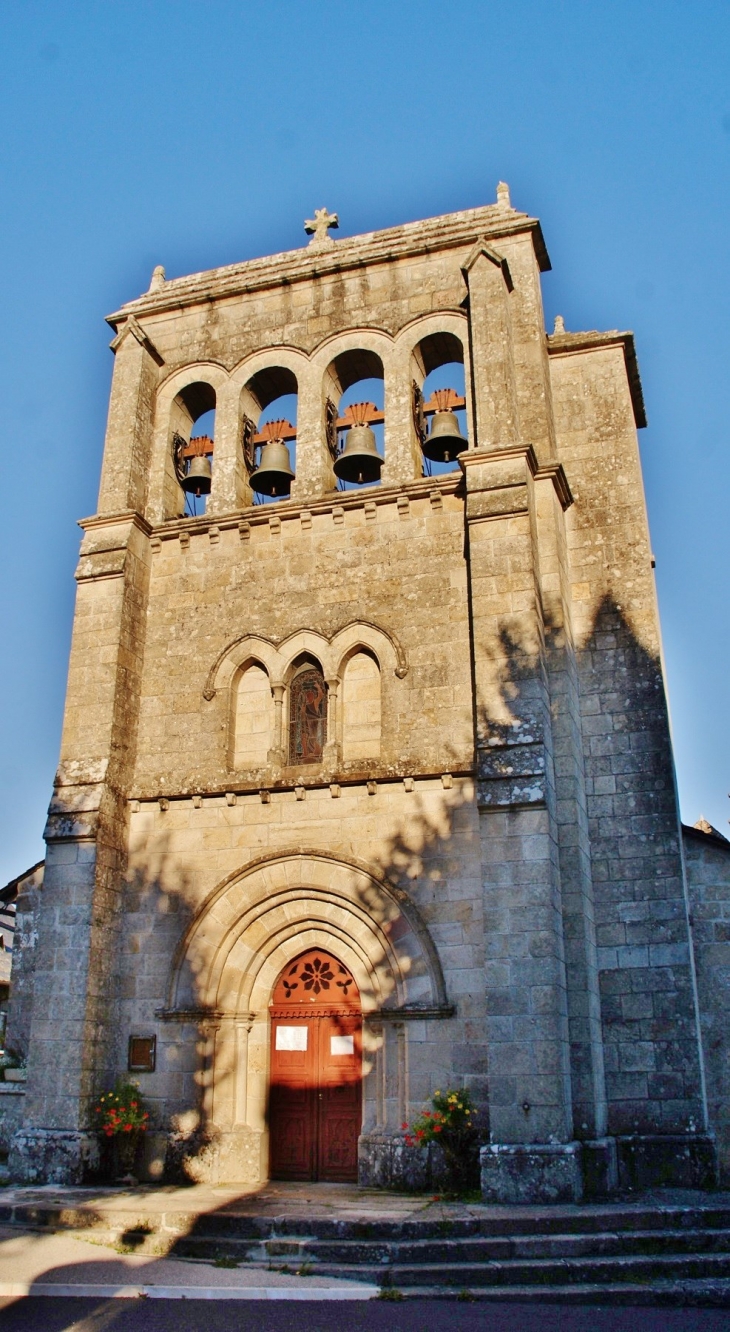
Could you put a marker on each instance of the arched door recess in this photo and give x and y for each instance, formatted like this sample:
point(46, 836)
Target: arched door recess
point(315, 1088)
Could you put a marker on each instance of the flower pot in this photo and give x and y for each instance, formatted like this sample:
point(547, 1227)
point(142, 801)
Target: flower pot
point(124, 1152)
point(15, 1074)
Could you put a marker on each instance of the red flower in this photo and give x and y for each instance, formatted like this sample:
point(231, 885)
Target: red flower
point(404, 1126)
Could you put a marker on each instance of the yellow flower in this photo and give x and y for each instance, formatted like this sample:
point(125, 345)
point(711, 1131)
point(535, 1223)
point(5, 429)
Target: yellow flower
point(437, 1093)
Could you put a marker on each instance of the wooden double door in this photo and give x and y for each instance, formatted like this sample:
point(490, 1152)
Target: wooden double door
point(315, 1097)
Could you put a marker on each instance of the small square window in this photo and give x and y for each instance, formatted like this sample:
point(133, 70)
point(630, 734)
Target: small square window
point(142, 1052)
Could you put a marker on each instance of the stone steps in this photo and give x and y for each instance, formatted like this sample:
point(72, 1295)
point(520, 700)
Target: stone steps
point(477, 1250)
point(235, 1221)
point(661, 1254)
point(697, 1294)
point(539, 1272)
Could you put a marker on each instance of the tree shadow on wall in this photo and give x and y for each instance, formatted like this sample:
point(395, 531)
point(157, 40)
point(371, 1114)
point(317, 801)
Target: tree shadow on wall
point(431, 853)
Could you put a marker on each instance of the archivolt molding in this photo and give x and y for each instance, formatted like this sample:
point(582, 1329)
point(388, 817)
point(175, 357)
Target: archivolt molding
point(332, 653)
point(268, 358)
point(441, 321)
point(365, 338)
point(206, 372)
point(280, 905)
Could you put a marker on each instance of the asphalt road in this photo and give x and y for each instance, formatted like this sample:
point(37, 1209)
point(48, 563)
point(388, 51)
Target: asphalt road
point(145, 1315)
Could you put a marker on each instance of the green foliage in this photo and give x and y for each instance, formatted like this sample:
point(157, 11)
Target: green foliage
point(121, 1110)
point(451, 1123)
point(452, 1119)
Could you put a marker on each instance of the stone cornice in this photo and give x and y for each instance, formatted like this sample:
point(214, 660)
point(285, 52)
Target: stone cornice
point(286, 510)
point(565, 344)
point(451, 231)
point(128, 518)
point(379, 775)
point(549, 471)
point(554, 471)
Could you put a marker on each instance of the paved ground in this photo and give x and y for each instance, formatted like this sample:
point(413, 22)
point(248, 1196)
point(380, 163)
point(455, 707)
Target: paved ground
point(345, 1201)
point(35, 1315)
point(65, 1264)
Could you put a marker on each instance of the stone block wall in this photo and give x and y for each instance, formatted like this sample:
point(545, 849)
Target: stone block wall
point(648, 1007)
point(707, 856)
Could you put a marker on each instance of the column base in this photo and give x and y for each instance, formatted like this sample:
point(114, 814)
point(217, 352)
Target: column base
point(518, 1173)
point(599, 1160)
point(679, 1161)
point(386, 1161)
point(52, 1156)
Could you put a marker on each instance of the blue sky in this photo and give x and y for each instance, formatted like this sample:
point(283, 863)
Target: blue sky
point(199, 134)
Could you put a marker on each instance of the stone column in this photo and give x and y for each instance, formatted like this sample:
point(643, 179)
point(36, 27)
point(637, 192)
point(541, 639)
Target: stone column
point(552, 497)
point(276, 754)
point(314, 474)
point(125, 470)
point(230, 488)
point(73, 1021)
point(331, 752)
point(490, 348)
point(532, 1153)
point(403, 457)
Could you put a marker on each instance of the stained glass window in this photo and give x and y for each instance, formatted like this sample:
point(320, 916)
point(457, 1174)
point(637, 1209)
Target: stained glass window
point(307, 716)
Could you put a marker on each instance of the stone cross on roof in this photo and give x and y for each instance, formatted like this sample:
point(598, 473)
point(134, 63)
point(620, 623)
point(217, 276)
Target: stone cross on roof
point(318, 226)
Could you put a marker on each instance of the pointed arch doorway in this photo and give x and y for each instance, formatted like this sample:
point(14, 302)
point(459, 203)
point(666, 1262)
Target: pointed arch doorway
point(315, 1088)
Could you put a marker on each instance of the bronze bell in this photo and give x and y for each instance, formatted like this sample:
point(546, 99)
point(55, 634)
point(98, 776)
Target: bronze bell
point(359, 461)
point(197, 479)
point(444, 439)
point(273, 475)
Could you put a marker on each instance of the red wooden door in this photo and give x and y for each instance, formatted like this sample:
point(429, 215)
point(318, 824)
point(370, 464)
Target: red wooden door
point(315, 1099)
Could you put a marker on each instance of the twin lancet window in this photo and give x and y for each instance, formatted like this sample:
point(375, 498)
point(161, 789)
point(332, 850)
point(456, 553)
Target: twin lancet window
point(291, 725)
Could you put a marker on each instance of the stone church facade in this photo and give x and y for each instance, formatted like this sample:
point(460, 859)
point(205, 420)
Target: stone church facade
point(412, 731)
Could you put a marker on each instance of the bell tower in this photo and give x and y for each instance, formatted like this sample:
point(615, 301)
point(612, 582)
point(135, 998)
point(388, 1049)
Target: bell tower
point(365, 673)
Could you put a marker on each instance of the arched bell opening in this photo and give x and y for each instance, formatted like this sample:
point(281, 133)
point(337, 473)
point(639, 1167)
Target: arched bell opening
point(269, 432)
point(192, 420)
point(315, 1070)
point(355, 417)
point(439, 402)
point(307, 706)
